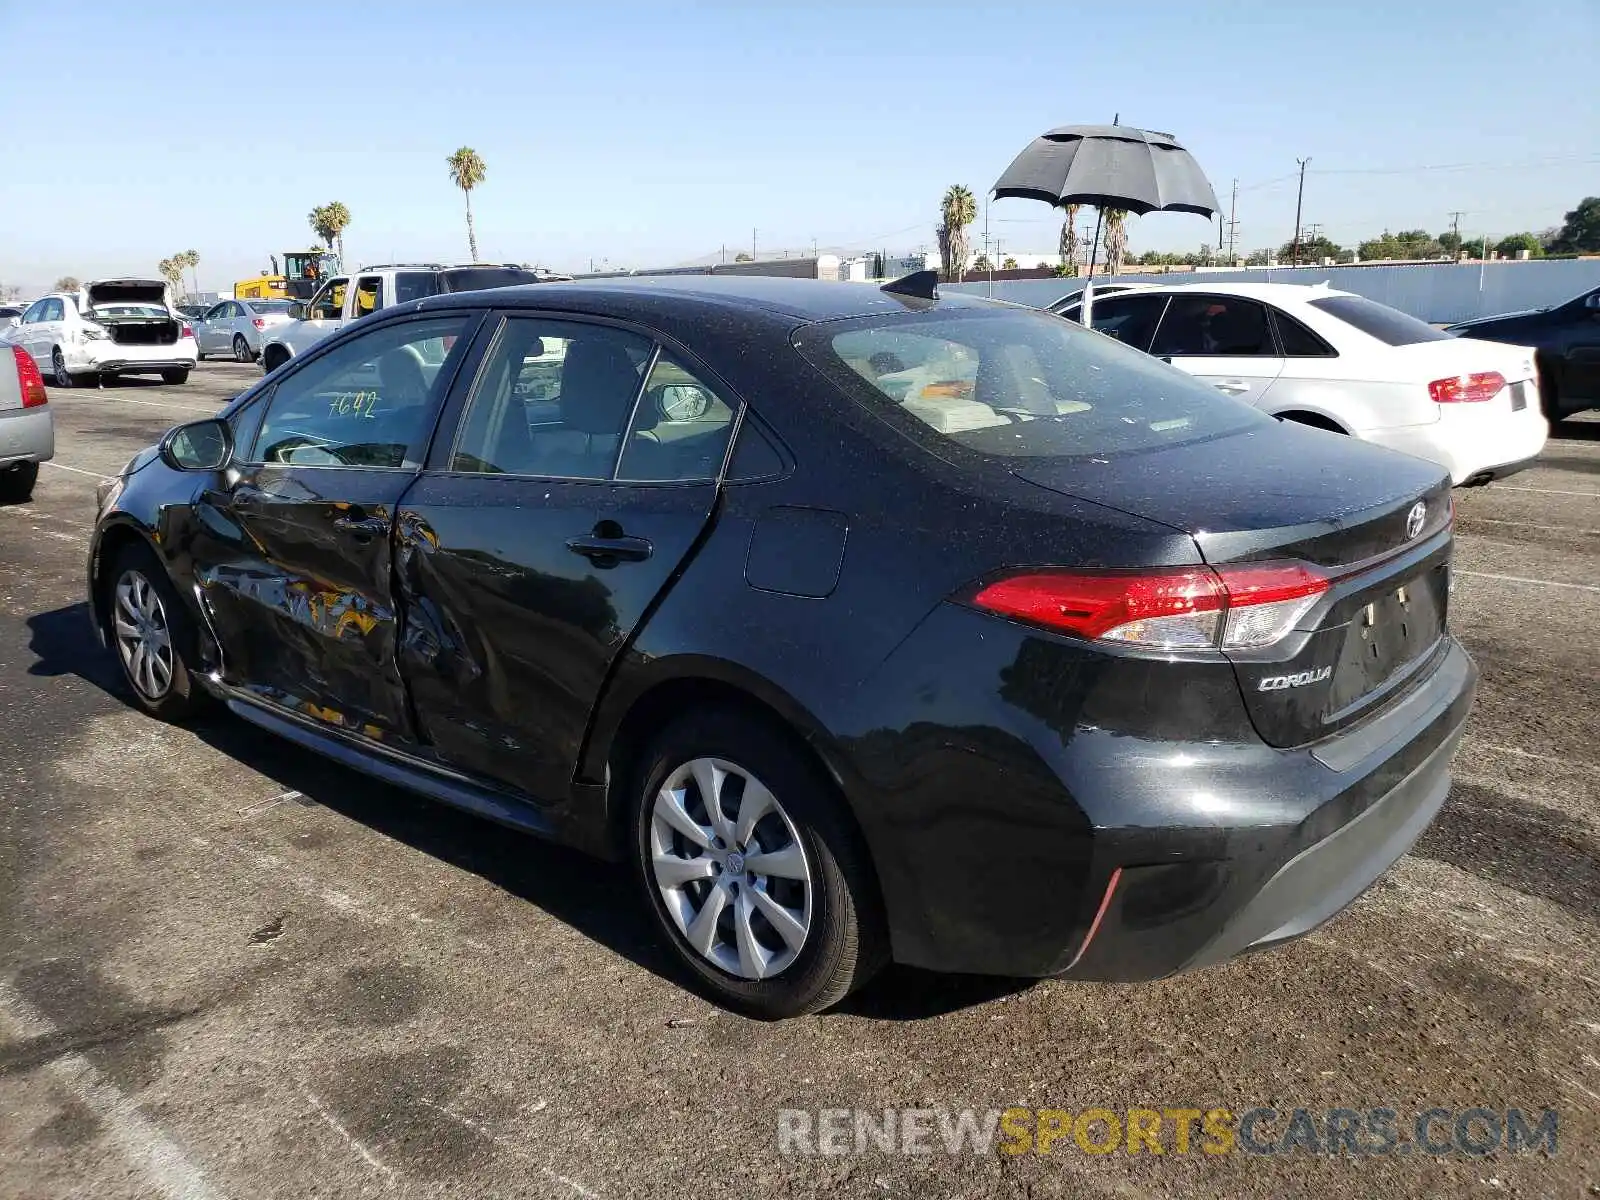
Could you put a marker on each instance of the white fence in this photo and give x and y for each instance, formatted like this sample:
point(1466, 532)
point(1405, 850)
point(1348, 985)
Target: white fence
point(1435, 292)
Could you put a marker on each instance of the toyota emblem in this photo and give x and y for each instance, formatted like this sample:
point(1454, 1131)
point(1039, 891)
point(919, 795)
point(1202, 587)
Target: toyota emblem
point(1416, 519)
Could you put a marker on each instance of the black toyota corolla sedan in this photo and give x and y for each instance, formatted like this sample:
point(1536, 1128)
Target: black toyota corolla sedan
point(864, 623)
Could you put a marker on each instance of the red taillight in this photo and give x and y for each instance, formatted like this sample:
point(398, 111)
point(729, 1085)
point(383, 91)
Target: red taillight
point(1485, 385)
point(259, 323)
point(1196, 608)
point(188, 330)
point(29, 380)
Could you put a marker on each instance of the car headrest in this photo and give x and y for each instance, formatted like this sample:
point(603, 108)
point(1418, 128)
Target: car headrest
point(598, 382)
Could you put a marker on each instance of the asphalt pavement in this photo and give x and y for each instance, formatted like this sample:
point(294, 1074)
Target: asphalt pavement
point(228, 969)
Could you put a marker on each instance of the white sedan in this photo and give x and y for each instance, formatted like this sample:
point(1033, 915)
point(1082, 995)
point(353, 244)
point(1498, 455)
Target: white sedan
point(1344, 363)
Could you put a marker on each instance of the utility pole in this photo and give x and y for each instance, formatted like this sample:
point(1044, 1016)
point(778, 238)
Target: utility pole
point(1233, 222)
point(1299, 196)
point(752, 245)
point(1455, 228)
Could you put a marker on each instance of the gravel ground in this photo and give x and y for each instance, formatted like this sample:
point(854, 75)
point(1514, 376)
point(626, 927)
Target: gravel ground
point(228, 969)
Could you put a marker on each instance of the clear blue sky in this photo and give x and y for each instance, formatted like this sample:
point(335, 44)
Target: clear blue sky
point(648, 134)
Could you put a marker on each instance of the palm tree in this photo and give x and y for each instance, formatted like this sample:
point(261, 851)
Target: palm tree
point(172, 271)
point(467, 172)
point(1069, 241)
point(959, 210)
point(190, 259)
point(1116, 239)
point(328, 222)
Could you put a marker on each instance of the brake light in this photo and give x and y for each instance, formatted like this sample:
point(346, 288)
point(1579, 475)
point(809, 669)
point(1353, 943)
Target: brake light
point(1198, 608)
point(1484, 385)
point(29, 381)
point(259, 323)
point(188, 330)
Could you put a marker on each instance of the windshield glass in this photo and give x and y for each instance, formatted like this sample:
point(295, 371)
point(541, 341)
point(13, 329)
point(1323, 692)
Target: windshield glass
point(1389, 325)
point(1016, 383)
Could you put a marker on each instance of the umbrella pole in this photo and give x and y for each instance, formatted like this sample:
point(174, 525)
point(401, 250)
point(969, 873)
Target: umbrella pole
point(1084, 310)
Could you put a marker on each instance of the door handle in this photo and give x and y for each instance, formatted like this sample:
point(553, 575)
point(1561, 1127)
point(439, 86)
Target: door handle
point(606, 550)
point(1232, 387)
point(356, 521)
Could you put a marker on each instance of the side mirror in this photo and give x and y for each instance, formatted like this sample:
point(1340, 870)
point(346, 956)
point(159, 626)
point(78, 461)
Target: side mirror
point(678, 402)
point(297, 311)
point(198, 446)
point(1592, 300)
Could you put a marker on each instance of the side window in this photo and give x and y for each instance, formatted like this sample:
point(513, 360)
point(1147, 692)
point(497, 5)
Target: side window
point(366, 403)
point(35, 313)
point(1129, 319)
point(1213, 325)
point(234, 310)
point(1298, 341)
point(414, 285)
point(755, 456)
point(369, 295)
point(52, 310)
point(680, 428)
point(552, 399)
point(328, 303)
point(216, 312)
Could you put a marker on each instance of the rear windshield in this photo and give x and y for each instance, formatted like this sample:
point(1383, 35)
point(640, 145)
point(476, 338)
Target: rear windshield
point(1388, 325)
point(471, 279)
point(269, 306)
point(1017, 383)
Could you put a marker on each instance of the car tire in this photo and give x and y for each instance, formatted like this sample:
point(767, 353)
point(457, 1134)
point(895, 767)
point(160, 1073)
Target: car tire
point(59, 375)
point(776, 944)
point(179, 376)
point(199, 354)
point(143, 610)
point(272, 359)
point(241, 349)
point(16, 482)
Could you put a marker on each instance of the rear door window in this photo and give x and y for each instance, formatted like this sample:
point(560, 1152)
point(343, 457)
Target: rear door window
point(1297, 340)
point(414, 285)
point(369, 295)
point(1015, 384)
point(1389, 325)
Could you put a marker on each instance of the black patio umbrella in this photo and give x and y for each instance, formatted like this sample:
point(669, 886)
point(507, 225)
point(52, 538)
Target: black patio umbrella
point(1109, 166)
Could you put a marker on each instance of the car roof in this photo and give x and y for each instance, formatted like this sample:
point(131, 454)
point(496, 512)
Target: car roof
point(802, 299)
point(1276, 293)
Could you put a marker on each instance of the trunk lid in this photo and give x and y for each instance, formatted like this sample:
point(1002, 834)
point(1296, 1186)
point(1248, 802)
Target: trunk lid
point(127, 291)
point(1288, 492)
point(1423, 362)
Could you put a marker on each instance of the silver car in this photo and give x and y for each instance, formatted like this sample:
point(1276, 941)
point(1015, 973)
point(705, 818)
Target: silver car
point(234, 327)
point(27, 430)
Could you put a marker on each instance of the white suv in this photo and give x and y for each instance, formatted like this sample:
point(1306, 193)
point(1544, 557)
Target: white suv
point(346, 298)
point(110, 327)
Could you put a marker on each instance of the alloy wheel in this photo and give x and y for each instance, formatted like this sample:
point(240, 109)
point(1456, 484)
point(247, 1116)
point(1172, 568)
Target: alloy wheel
point(144, 638)
point(730, 868)
point(241, 349)
point(58, 368)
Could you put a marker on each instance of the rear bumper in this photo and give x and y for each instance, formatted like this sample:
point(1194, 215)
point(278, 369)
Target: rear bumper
point(1475, 442)
point(26, 435)
point(1049, 834)
point(121, 366)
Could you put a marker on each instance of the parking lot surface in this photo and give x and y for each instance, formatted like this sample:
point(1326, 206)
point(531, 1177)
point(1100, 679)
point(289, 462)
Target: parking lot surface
point(229, 969)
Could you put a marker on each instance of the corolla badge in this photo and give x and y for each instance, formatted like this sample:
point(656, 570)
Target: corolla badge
point(1278, 683)
point(1416, 519)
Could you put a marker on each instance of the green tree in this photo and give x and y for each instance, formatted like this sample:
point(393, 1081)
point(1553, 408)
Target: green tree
point(1116, 238)
point(68, 283)
point(1069, 242)
point(172, 271)
point(958, 210)
point(329, 221)
point(467, 172)
point(982, 263)
point(1508, 247)
point(1580, 229)
point(1258, 258)
point(1010, 264)
point(742, 257)
point(1450, 242)
point(1312, 250)
point(189, 259)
